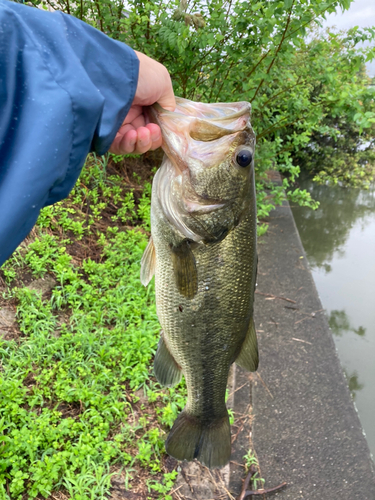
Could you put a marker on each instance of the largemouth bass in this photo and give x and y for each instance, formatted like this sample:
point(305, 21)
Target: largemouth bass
point(202, 251)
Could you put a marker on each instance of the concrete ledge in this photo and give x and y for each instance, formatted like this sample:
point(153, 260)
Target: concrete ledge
point(305, 429)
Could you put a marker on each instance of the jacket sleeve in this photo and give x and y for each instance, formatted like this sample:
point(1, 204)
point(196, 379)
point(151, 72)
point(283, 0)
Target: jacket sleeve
point(65, 89)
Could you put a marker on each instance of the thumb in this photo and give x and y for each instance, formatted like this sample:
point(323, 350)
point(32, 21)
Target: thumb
point(167, 99)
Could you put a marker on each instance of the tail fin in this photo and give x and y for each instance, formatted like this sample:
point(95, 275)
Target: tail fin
point(190, 438)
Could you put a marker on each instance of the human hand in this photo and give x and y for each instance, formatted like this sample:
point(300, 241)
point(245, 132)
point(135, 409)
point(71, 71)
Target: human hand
point(136, 135)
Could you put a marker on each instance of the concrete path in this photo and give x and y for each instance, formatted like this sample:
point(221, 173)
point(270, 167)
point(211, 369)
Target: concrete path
point(305, 429)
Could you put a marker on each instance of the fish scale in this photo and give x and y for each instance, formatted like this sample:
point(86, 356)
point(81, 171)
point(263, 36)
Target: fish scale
point(220, 314)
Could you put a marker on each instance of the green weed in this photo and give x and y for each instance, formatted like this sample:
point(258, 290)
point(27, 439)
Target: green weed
point(68, 408)
point(164, 487)
point(251, 459)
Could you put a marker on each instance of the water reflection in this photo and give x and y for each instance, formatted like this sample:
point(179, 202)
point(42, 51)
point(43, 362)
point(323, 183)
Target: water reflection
point(326, 230)
point(360, 331)
point(339, 239)
point(339, 323)
point(354, 384)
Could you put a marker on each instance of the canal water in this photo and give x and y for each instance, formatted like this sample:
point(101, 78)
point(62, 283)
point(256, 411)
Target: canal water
point(339, 240)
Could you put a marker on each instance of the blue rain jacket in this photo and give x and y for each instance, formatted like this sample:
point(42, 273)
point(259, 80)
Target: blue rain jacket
point(65, 89)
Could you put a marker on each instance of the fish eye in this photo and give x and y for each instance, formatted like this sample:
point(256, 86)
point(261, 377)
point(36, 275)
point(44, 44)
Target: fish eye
point(244, 158)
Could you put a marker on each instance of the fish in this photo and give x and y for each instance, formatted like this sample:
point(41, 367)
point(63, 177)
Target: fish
point(202, 251)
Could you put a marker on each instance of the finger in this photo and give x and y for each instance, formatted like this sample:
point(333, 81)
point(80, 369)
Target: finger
point(129, 141)
point(156, 144)
point(144, 141)
point(125, 127)
point(139, 121)
point(155, 135)
point(154, 84)
point(133, 113)
point(124, 143)
point(127, 137)
point(115, 148)
point(167, 99)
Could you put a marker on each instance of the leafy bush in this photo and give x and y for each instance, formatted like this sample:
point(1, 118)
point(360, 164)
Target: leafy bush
point(301, 84)
point(341, 146)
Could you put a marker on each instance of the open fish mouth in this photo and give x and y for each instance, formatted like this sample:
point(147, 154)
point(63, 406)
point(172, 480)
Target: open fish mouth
point(200, 174)
point(231, 116)
point(190, 130)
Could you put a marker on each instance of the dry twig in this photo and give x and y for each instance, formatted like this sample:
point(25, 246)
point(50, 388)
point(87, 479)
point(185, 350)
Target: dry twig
point(275, 297)
point(264, 384)
point(246, 493)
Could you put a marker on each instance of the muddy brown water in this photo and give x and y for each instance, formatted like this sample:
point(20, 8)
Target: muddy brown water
point(339, 240)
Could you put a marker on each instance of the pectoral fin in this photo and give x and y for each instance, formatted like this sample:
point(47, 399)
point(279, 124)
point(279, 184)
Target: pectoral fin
point(166, 370)
point(148, 263)
point(185, 270)
point(248, 357)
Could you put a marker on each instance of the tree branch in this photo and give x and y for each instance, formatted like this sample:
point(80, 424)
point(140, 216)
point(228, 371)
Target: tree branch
point(273, 127)
point(197, 64)
point(277, 51)
point(312, 19)
point(100, 17)
point(252, 70)
point(282, 91)
point(222, 84)
point(229, 6)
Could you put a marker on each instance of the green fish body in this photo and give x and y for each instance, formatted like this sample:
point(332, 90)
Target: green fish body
point(203, 254)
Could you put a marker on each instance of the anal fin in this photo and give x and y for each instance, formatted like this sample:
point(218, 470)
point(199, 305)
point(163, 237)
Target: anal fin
point(166, 370)
point(185, 269)
point(148, 263)
point(248, 357)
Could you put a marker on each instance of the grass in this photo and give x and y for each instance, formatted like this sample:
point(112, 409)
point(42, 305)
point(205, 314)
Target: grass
point(78, 402)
